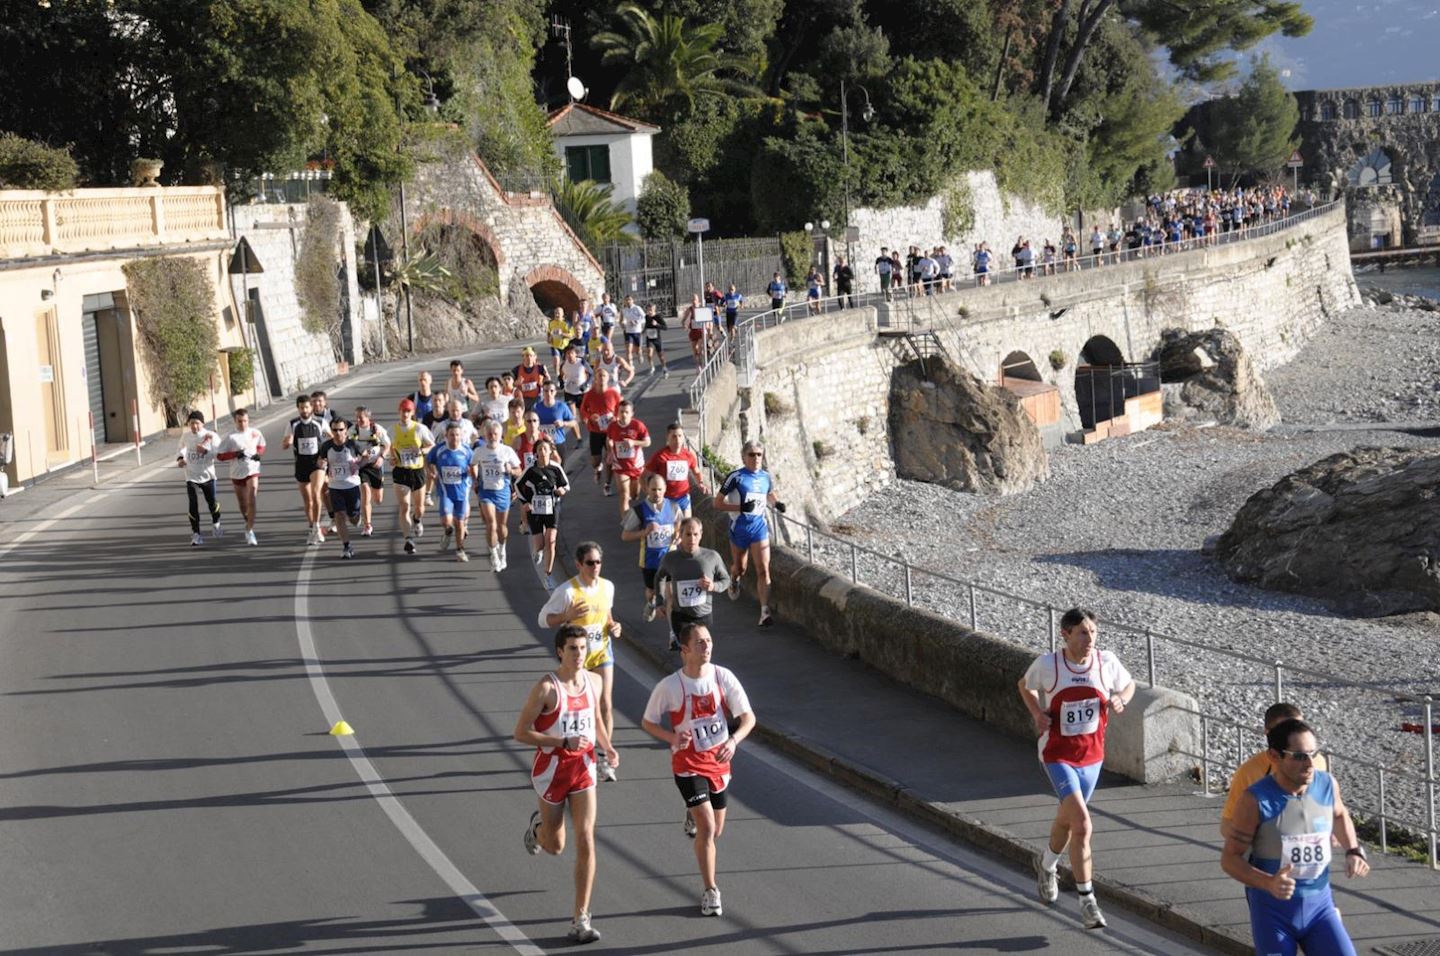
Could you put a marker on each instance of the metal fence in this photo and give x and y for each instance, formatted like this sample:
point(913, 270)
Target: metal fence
point(668, 273)
point(923, 587)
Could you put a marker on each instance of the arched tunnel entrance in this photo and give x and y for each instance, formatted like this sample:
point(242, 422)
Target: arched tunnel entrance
point(1020, 376)
point(554, 288)
point(1105, 382)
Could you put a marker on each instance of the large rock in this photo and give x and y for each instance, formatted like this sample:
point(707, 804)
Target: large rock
point(950, 429)
point(1208, 377)
point(1362, 528)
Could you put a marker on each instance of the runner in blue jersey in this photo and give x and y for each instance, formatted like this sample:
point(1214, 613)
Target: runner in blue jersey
point(452, 466)
point(733, 301)
point(555, 417)
point(1278, 844)
point(651, 521)
point(777, 291)
point(747, 493)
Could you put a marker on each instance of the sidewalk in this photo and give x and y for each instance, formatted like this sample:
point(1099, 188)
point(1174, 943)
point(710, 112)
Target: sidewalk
point(1157, 849)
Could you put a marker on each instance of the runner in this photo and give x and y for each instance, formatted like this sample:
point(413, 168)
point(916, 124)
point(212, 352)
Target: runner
point(515, 422)
point(574, 376)
point(597, 408)
point(696, 323)
point(198, 446)
point(452, 465)
point(540, 489)
point(622, 373)
point(652, 523)
point(555, 417)
point(343, 463)
point(698, 702)
point(777, 292)
point(607, 314)
point(305, 434)
point(374, 441)
point(1071, 721)
point(632, 321)
point(884, 269)
point(626, 439)
point(459, 389)
point(654, 348)
point(558, 333)
point(587, 600)
point(497, 465)
point(320, 403)
point(733, 300)
point(1279, 847)
point(1251, 771)
point(746, 493)
point(563, 771)
point(530, 374)
point(688, 579)
point(455, 415)
point(243, 448)
point(493, 405)
point(423, 398)
point(411, 444)
point(584, 327)
point(679, 467)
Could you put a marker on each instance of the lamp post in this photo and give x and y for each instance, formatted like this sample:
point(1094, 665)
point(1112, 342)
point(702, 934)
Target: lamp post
point(867, 115)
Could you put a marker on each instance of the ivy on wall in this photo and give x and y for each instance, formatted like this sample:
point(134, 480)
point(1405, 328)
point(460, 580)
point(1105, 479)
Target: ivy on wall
point(174, 306)
point(316, 283)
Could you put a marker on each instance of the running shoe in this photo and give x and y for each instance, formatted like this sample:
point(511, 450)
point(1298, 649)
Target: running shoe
point(348, 551)
point(766, 618)
point(733, 591)
point(550, 582)
point(710, 903)
point(429, 501)
point(419, 528)
point(689, 825)
point(409, 546)
point(250, 539)
point(609, 491)
point(665, 373)
point(445, 540)
point(495, 564)
point(310, 536)
point(674, 644)
point(537, 557)
point(650, 608)
point(319, 535)
point(1090, 914)
point(603, 770)
point(532, 834)
point(195, 540)
point(504, 558)
point(461, 556)
point(1047, 884)
point(597, 476)
point(366, 531)
point(581, 931)
point(216, 531)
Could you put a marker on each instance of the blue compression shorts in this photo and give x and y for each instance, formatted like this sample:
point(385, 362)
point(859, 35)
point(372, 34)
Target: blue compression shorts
point(453, 507)
point(499, 500)
point(1309, 922)
point(1067, 779)
point(745, 533)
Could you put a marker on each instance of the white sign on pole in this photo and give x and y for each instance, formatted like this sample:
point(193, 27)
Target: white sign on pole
point(1296, 160)
point(698, 225)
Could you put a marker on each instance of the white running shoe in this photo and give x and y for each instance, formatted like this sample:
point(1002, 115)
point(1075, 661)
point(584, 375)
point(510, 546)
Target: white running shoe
point(766, 618)
point(461, 556)
point(250, 539)
point(550, 582)
point(665, 373)
point(195, 540)
point(689, 825)
point(445, 540)
point(603, 770)
point(429, 501)
point(581, 931)
point(310, 536)
point(532, 834)
point(1090, 914)
point(419, 529)
point(733, 591)
point(710, 903)
point(537, 557)
point(495, 564)
point(216, 531)
point(366, 531)
point(649, 611)
point(319, 535)
point(1047, 884)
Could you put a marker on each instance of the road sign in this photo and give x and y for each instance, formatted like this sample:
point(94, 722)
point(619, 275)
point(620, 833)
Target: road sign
point(1296, 160)
point(1209, 162)
point(698, 225)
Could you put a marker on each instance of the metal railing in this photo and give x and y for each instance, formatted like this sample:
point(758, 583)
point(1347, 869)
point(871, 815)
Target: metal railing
point(740, 347)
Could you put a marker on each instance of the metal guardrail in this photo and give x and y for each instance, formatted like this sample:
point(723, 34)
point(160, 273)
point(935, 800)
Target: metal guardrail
point(739, 347)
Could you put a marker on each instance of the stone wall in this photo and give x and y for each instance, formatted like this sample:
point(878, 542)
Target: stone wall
point(275, 232)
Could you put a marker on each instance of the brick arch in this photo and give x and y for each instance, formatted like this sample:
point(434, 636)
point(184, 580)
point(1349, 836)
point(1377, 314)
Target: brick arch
point(553, 286)
point(463, 220)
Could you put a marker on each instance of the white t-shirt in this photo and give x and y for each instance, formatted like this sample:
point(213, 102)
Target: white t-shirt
point(248, 442)
point(603, 590)
point(574, 376)
point(469, 435)
point(633, 319)
point(199, 466)
point(495, 464)
point(497, 409)
point(608, 313)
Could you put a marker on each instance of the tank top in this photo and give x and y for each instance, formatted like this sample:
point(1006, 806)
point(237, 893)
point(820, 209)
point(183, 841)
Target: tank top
point(655, 545)
point(594, 619)
point(703, 712)
point(1295, 829)
point(457, 393)
point(1076, 701)
point(612, 367)
point(528, 380)
point(574, 716)
point(406, 446)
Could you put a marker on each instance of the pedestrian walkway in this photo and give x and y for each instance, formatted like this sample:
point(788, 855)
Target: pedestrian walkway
point(1157, 849)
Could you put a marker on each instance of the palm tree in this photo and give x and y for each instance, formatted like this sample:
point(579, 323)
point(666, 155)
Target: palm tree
point(588, 209)
point(667, 58)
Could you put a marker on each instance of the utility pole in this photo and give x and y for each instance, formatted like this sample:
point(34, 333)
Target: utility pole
point(560, 27)
point(845, 150)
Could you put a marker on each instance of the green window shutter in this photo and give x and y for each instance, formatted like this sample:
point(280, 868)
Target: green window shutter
point(600, 163)
point(577, 165)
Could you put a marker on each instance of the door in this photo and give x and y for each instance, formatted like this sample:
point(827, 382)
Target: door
point(94, 382)
point(52, 392)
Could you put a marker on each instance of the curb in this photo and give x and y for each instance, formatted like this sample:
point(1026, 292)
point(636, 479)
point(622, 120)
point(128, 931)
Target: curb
point(993, 840)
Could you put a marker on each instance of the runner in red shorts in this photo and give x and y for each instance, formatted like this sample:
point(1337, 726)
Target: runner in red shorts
point(558, 720)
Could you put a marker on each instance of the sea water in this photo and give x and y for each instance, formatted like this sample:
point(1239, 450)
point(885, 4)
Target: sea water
point(1405, 280)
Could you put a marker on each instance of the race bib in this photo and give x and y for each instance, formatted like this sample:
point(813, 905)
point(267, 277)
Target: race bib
point(623, 449)
point(492, 476)
point(602, 422)
point(1078, 717)
point(542, 505)
point(410, 457)
point(557, 432)
point(1308, 853)
point(340, 471)
point(689, 593)
point(707, 724)
point(308, 446)
point(677, 470)
point(451, 474)
point(578, 720)
point(595, 637)
point(758, 498)
point(529, 457)
point(660, 538)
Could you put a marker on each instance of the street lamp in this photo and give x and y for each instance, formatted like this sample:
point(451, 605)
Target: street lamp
point(867, 114)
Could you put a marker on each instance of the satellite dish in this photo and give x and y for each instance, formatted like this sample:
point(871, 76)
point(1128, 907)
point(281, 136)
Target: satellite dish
point(576, 88)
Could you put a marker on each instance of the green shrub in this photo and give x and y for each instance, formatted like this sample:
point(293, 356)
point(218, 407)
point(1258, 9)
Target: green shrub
point(26, 164)
point(662, 208)
point(316, 283)
point(174, 305)
point(774, 404)
point(242, 369)
point(1058, 359)
point(957, 209)
point(719, 465)
point(822, 449)
point(798, 250)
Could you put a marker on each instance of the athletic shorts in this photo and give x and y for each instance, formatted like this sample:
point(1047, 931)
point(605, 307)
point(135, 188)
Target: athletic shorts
point(712, 790)
point(345, 501)
point(242, 482)
point(628, 467)
point(604, 657)
point(632, 338)
point(697, 334)
point(497, 499)
point(649, 575)
point(556, 776)
point(573, 398)
point(1308, 922)
point(556, 353)
point(777, 303)
point(731, 318)
point(745, 533)
point(453, 507)
point(655, 344)
point(539, 523)
point(1067, 779)
point(373, 477)
point(597, 443)
point(412, 478)
point(305, 467)
point(813, 294)
point(683, 502)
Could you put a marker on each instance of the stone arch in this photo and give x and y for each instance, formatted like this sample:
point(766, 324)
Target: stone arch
point(553, 287)
point(1100, 384)
point(485, 238)
point(1019, 365)
point(1101, 350)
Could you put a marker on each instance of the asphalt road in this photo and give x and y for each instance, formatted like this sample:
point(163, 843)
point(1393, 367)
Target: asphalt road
point(169, 785)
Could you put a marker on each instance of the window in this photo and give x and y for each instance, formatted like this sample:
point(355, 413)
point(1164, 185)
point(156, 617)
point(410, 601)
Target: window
point(1375, 108)
point(588, 162)
point(1327, 111)
point(1435, 103)
point(1352, 109)
point(1395, 106)
point(1418, 104)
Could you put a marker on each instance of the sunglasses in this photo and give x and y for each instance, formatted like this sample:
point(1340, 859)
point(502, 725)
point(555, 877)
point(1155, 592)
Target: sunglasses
point(591, 563)
point(754, 454)
point(1306, 755)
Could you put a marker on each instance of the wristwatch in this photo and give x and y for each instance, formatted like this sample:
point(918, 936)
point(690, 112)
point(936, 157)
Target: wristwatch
point(1359, 851)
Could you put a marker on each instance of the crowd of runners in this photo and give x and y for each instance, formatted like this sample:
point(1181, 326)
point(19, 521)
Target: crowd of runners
point(504, 444)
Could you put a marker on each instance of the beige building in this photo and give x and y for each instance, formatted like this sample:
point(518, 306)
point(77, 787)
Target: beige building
point(67, 338)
